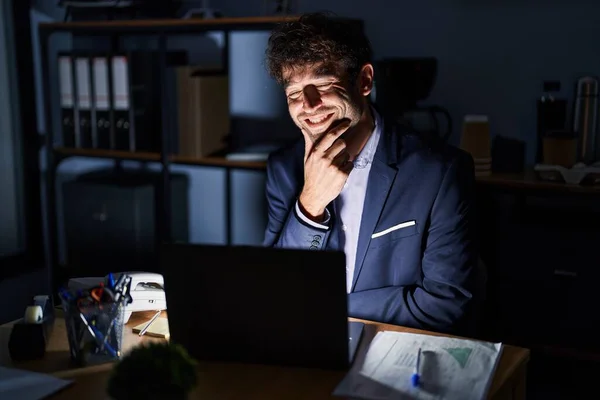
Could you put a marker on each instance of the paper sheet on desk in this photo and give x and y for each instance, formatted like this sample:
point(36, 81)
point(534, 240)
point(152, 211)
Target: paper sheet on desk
point(26, 385)
point(450, 368)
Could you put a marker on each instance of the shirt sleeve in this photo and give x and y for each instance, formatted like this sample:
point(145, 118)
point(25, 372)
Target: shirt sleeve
point(324, 225)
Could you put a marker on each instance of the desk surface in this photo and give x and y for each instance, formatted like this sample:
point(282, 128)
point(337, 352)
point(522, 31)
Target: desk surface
point(255, 382)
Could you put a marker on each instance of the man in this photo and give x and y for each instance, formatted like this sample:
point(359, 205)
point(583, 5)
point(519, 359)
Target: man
point(401, 208)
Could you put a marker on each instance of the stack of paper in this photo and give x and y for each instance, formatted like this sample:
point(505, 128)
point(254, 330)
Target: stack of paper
point(449, 368)
point(26, 385)
point(159, 328)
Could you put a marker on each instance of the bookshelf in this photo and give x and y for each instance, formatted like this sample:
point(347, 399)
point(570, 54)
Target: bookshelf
point(160, 29)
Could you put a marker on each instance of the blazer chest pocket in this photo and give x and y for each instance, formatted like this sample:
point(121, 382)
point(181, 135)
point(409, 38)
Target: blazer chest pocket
point(395, 232)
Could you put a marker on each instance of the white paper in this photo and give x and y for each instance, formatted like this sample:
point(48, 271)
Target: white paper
point(25, 385)
point(450, 368)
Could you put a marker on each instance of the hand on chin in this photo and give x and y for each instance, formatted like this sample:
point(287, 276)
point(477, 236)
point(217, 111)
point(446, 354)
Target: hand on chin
point(318, 133)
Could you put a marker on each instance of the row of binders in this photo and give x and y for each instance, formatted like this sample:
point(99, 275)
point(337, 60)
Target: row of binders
point(116, 103)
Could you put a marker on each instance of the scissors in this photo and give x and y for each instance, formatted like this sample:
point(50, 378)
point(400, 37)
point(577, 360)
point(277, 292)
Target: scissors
point(102, 294)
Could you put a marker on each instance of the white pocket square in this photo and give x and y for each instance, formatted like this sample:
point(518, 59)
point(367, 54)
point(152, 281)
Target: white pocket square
point(393, 228)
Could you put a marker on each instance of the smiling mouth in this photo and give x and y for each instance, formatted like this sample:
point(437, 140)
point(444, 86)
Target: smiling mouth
point(318, 120)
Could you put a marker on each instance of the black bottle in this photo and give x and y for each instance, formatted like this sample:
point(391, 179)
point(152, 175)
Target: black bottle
point(551, 115)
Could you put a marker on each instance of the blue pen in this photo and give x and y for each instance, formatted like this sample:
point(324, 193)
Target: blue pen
point(416, 376)
point(65, 294)
point(111, 281)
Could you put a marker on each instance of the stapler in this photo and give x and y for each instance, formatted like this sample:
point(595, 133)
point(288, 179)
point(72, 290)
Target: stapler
point(147, 290)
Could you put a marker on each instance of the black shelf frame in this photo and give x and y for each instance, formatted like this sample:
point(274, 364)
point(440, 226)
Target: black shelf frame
point(31, 257)
point(161, 29)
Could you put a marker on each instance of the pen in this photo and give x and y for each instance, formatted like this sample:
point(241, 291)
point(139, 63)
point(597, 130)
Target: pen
point(111, 281)
point(105, 345)
point(150, 323)
point(120, 281)
point(416, 375)
point(87, 325)
point(97, 335)
point(65, 294)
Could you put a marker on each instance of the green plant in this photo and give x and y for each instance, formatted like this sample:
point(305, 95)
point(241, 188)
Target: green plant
point(153, 371)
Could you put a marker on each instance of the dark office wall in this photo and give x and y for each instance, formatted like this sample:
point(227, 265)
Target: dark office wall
point(17, 292)
point(492, 54)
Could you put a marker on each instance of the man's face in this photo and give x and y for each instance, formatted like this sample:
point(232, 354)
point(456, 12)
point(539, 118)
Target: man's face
point(319, 98)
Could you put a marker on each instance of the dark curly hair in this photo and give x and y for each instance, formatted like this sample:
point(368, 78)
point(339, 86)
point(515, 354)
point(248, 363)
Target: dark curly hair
point(318, 38)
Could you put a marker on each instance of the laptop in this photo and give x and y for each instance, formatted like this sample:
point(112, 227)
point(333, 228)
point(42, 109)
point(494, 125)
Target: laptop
point(259, 305)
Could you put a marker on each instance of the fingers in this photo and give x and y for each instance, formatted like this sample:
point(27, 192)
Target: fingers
point(342, 161)
point(349, 166)
point(327, 140)
point(336, 149)
point(341, 158)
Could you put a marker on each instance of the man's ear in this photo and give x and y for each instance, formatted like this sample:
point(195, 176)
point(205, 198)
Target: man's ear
point(365, 79)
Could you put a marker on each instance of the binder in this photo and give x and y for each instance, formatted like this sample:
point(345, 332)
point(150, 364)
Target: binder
point(101, 103)
point(147, 97)
point(121, 103)
point(65, 78)
point(127, 104)
point(146, 115)
point(137, 78)
point(83, 132)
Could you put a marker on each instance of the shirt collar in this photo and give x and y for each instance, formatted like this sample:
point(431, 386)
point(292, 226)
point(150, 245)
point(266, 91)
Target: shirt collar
point(365, 157)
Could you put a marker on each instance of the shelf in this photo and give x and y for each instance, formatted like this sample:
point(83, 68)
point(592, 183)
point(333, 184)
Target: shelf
point(219, 162)
point(512, 181)
point(529, 180)
point(166, 25)
point(101, 153)
point(144, 156)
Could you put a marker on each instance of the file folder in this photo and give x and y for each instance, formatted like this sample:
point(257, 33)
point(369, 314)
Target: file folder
point(83, 132)
point(126, 99)
point(101, 103)
point(121, 104)
point(146, 100)
point(65, 78)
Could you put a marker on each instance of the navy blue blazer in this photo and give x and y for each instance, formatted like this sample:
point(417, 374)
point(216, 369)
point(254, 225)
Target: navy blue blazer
point(416, 263)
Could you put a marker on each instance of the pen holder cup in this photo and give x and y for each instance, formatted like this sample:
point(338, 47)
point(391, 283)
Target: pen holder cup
point(94, 331)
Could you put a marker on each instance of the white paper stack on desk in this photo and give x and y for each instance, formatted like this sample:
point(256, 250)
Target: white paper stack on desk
point(449, 368)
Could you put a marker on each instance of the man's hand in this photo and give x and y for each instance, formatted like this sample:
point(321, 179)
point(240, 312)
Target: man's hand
point(326, 169)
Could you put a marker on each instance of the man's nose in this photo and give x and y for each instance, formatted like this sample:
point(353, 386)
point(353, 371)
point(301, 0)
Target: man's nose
point(311, 98)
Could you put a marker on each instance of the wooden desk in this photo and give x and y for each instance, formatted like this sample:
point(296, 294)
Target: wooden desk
point(235, 381)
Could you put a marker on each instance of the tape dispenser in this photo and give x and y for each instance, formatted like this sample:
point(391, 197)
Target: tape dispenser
point(29, 335)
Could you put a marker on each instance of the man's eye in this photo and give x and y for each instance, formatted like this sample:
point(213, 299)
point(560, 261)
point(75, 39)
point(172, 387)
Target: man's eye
point(325, 86)
point(294, 95)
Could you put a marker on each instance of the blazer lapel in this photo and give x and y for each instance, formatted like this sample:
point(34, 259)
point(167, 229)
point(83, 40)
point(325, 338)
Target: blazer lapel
point(381, 177)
